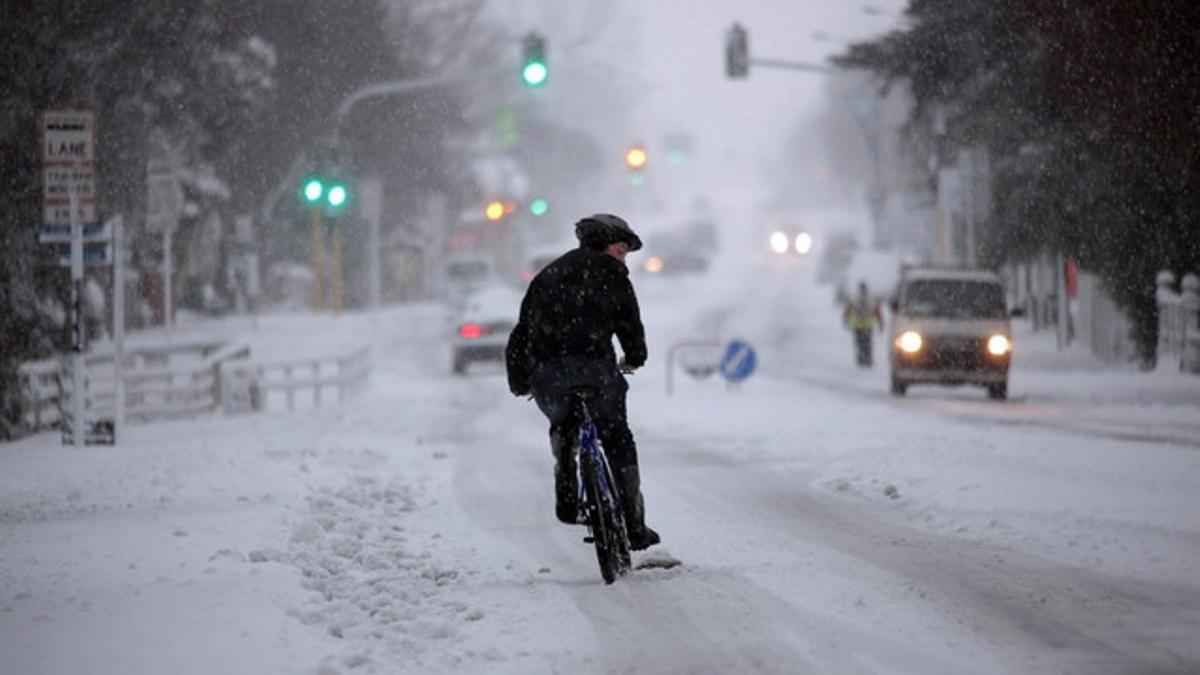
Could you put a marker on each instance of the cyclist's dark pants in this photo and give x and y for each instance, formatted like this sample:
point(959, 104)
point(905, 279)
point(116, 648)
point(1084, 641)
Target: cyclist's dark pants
point(553, 387)
point(862, 346)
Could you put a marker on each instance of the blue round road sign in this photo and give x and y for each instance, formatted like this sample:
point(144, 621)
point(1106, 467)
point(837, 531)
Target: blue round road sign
point(738, 362)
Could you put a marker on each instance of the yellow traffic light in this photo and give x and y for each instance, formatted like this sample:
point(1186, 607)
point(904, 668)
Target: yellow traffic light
point(494, 210)
point(635, 157)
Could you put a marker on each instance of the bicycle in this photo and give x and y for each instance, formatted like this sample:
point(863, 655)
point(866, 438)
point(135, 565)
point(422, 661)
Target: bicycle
point(600, 500)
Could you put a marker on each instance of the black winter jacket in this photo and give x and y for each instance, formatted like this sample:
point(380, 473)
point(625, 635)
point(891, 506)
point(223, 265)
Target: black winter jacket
point(570, 313)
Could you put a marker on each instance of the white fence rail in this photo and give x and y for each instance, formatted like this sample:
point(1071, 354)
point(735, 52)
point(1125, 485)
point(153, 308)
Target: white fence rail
point(1179, 320)
point(42, 384)
point(181, 380)
point(258, 384)
point(161, 382)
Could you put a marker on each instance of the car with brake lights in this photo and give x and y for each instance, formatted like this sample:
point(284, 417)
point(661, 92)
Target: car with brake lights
point(481, 329)
point(950, 327)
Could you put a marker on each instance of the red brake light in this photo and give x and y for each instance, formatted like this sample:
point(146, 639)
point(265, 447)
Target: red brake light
point(471, 330)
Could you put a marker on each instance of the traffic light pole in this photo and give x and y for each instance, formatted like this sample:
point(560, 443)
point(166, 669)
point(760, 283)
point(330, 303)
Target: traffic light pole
point(335, 271)
point(318, 259)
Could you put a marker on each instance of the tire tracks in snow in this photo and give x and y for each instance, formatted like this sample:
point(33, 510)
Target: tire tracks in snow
point(1042, 615)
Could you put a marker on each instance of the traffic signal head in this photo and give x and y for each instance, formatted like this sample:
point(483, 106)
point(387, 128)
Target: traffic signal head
point(337, 195)
point(312, 190)
point(737, 52)
point(494, 210)
point(534, 72)
point(635, 157)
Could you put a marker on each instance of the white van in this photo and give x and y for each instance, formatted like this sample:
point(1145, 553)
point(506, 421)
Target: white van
point(465, 273)
point(950, 327)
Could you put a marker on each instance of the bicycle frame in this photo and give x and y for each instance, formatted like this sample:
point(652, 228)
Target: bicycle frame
point(604, 518)
point(591, 451)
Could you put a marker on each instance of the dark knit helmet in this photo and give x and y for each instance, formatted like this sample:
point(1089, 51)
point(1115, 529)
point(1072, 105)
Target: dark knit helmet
point(602, 229)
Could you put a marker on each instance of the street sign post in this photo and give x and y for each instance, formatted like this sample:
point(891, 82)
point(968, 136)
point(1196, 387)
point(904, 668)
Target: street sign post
point(69, 196)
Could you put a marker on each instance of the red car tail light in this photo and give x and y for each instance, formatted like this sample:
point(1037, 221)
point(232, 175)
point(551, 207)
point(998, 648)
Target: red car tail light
point(471, 330)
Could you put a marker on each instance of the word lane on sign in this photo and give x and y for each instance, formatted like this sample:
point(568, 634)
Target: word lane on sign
point(69, 136)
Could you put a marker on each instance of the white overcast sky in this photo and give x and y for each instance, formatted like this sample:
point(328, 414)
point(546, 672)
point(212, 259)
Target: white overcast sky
point(665, 60)
point(682, 43)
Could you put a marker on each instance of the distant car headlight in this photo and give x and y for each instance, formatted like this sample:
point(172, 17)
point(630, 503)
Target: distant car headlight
point(653, 264)
point(779, 242)
point(803, 243)
point(998, 345)
point(910, 342)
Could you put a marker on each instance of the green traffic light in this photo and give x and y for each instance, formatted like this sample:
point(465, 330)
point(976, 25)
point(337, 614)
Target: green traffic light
point(539, 207)
point(337, 195)
point(535, 73)
point(313, 189)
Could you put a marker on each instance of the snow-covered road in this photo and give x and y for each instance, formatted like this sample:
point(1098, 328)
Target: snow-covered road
point(823, 525)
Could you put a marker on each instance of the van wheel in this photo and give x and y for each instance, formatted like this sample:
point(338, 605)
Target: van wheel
point(998, 392)
point(460, 364)
point(899, 388)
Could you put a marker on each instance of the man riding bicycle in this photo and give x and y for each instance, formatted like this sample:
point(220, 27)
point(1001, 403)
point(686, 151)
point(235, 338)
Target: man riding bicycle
point(562, 343)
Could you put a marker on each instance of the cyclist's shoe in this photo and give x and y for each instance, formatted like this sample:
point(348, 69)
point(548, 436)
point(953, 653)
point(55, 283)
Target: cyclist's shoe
point(566, 497)
point(566, 509)
point(643, 538)
point(630, 484)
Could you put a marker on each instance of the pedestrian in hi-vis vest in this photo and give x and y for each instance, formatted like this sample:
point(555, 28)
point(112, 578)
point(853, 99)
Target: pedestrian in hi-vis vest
point(862, 315)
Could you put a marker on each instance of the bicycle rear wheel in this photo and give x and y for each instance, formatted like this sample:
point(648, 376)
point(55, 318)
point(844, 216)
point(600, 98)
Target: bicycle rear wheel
point(608, 524)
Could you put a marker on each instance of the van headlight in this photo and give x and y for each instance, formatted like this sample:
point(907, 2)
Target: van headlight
point(779, 242)
point(998, 345)
point(909, 341)
point(803, 243)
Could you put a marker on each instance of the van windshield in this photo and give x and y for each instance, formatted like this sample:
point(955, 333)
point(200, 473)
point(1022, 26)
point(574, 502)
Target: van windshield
point(469, 271)
point(953, 299)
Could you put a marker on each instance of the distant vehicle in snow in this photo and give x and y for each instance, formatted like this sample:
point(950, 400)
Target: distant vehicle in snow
point(675, 252)
point(950, 326)
point(482, 327)
point(463, 274)
point(790, 242)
